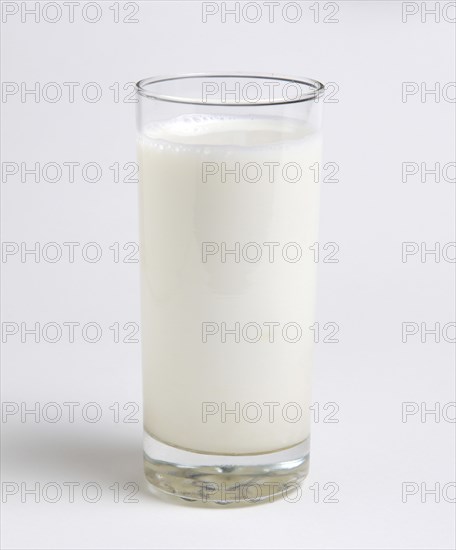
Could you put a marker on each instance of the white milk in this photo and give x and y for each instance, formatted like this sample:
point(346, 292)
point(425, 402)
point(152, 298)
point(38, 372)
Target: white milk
point(214, 382)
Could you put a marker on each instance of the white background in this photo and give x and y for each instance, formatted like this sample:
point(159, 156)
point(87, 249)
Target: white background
point(370, 131)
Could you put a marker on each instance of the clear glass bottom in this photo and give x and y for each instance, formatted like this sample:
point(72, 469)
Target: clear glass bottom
point(225, 479)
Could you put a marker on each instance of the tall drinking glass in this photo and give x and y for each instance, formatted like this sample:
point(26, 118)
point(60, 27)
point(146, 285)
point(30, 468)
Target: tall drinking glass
point(228, 210)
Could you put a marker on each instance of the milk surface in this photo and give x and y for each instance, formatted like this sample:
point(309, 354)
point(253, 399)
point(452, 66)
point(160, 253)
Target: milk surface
point(224, 293)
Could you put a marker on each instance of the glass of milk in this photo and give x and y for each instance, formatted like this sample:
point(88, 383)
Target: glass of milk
point(228, 213)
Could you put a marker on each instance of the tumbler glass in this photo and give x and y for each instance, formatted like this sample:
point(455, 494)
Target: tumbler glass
point(228, 222)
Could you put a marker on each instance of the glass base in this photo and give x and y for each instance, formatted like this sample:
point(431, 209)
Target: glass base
point(225, 479)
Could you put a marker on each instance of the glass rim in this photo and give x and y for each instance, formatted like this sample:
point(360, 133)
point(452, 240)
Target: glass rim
point(316, 88)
